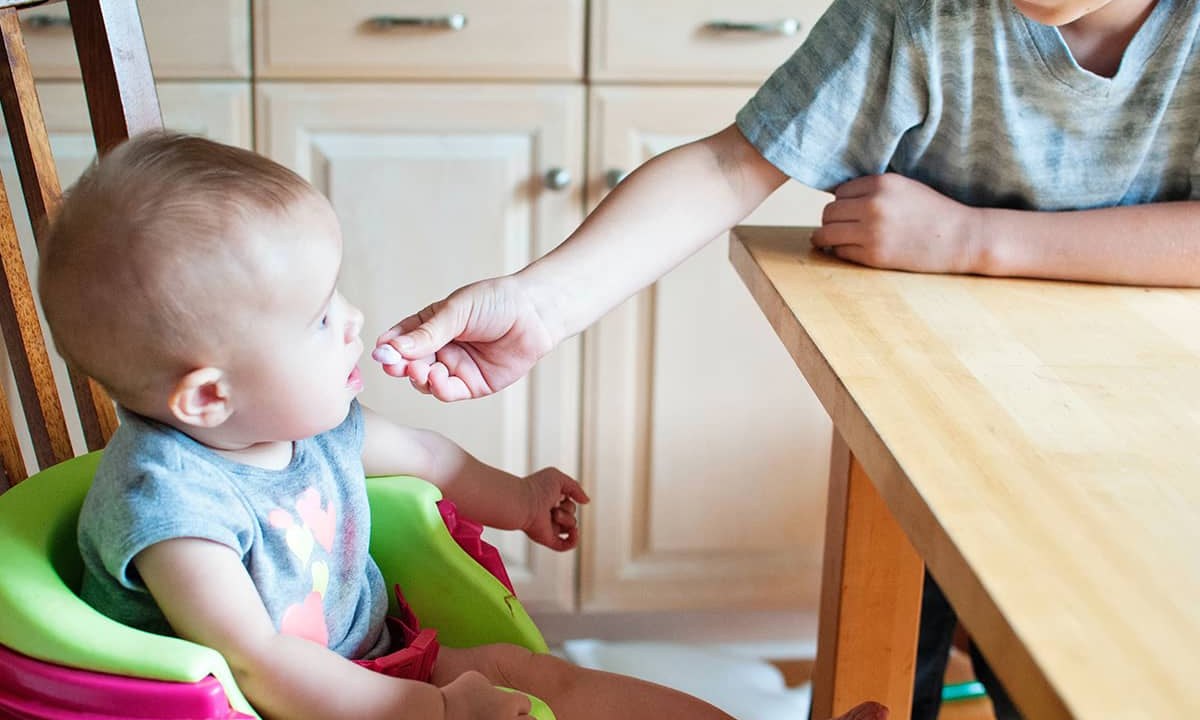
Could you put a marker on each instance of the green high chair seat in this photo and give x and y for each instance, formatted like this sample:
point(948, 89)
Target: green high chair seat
point(44, 619)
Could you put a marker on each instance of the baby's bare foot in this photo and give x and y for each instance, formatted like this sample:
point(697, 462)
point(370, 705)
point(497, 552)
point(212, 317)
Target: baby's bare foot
point(866, 711)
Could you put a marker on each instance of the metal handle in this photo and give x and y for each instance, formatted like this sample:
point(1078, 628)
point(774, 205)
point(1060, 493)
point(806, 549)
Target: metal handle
point(46, 22)
point(556, 178)
point(455, 21)
point(613, 177)
point(786, 26)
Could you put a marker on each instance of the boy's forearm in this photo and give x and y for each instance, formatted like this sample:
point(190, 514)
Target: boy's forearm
point(661, 214)
point(278, 680)
point(1156, 244)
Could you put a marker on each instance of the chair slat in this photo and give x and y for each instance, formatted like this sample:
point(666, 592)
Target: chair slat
point(39, 181)
point(11, 459)
point(122, 100)
point(25, 3)
point(27, 348)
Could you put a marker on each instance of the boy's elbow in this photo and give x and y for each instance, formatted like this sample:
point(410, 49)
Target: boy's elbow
point(751, 175)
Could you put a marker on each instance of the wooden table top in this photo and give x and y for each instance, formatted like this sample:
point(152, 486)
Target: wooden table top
point(1039, 442)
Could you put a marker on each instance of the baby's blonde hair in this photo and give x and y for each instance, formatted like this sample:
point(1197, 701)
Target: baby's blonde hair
point(147, 250)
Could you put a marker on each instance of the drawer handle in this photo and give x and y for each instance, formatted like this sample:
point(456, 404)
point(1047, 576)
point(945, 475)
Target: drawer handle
point(48, 22)
point(456, 21)
point(786, 26)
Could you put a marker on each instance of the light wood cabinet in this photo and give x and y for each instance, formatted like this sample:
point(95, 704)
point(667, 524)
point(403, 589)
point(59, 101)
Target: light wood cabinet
point(186, 39)
point(432, 129)
point(437, 186)
point(481, 39)
point(703, 496)
point(683, 41)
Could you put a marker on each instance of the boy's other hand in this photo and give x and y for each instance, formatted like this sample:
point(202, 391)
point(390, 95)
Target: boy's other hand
point(890, 221)
point(552, 497)
point(472, 697)
point(480, 339)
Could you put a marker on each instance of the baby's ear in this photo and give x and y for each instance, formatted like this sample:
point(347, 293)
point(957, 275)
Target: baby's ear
point(201, 398)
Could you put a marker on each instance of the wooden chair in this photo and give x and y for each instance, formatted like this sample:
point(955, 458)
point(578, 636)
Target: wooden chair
point(121, 101)
point(59, 658)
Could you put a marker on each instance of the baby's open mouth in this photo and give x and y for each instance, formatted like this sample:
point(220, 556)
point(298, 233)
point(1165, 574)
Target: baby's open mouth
point(354, 380)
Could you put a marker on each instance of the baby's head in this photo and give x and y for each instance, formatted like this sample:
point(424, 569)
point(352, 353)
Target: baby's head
point(196, 282)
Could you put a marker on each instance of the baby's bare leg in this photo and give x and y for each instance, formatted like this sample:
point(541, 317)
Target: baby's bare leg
point(572, 692)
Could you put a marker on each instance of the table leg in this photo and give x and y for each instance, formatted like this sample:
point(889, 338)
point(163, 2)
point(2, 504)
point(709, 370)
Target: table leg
point(870, 599)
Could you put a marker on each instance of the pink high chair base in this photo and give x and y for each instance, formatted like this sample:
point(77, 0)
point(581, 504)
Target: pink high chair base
point(34, 690)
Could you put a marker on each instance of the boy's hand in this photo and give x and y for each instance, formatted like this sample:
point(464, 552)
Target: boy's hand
point(551, 497)
point(480, 339)
point(890, 221)
point(472, 697)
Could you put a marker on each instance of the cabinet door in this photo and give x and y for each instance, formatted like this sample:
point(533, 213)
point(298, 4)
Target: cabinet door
point(437, 186)
point(220, 110)
point(705, 452)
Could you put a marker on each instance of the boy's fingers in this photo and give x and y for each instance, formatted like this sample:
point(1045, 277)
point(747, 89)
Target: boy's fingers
point(836, 234)
point(446, 387)
point(407, 324)
point(440, 323)
point(857, 187)
point(854, 253)
point(844, 210)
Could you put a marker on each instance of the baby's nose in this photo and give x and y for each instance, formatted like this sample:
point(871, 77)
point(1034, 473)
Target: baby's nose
point(354, 324)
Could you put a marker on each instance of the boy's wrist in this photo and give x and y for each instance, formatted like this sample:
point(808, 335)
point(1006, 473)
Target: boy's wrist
point(986, 239)
point(548, 297)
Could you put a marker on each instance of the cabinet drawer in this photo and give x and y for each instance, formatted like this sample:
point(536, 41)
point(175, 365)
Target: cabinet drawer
point(683, 40)
point(419, 39)
point(185, 38)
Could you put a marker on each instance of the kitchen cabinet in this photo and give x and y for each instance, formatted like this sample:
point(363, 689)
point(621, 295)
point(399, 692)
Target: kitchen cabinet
point(462, 140)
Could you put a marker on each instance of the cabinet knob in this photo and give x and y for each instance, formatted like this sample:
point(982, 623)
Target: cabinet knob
point(557, 178)
point(47, 22)
point(613, 177)
point(454, 21)
point(786, 26)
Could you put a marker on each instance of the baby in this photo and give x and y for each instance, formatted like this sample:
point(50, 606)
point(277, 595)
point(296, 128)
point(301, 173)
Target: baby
point(197, 283)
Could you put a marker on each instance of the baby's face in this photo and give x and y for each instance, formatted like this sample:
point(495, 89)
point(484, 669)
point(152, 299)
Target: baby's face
point(297, 371)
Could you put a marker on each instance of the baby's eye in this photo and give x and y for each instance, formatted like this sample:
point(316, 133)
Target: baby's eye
point(324, 321)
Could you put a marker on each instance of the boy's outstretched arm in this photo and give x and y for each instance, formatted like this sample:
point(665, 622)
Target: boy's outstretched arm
point(487, 335)
point(206, 594)
point(891, 221)
point(653, 220)
point(542, 504)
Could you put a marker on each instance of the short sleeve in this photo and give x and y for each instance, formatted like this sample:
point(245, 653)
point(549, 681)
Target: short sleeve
point(128, 512)
point(839, 106)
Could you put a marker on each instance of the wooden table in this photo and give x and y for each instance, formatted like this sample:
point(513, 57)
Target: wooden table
point(1037, 444)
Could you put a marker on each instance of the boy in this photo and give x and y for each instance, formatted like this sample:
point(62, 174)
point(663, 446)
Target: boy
point(196, 282)
point(1049, 138)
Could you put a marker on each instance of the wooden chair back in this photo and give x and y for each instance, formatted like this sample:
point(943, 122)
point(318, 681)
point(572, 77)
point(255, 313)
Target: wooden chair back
point(121, 102)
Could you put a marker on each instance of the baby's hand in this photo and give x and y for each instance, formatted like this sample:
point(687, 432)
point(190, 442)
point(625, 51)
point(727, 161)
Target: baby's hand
point(551, 497)
point(472, 697)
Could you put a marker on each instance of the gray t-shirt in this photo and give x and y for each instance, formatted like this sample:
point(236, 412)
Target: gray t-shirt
point(302, 532)
point(986, 106)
